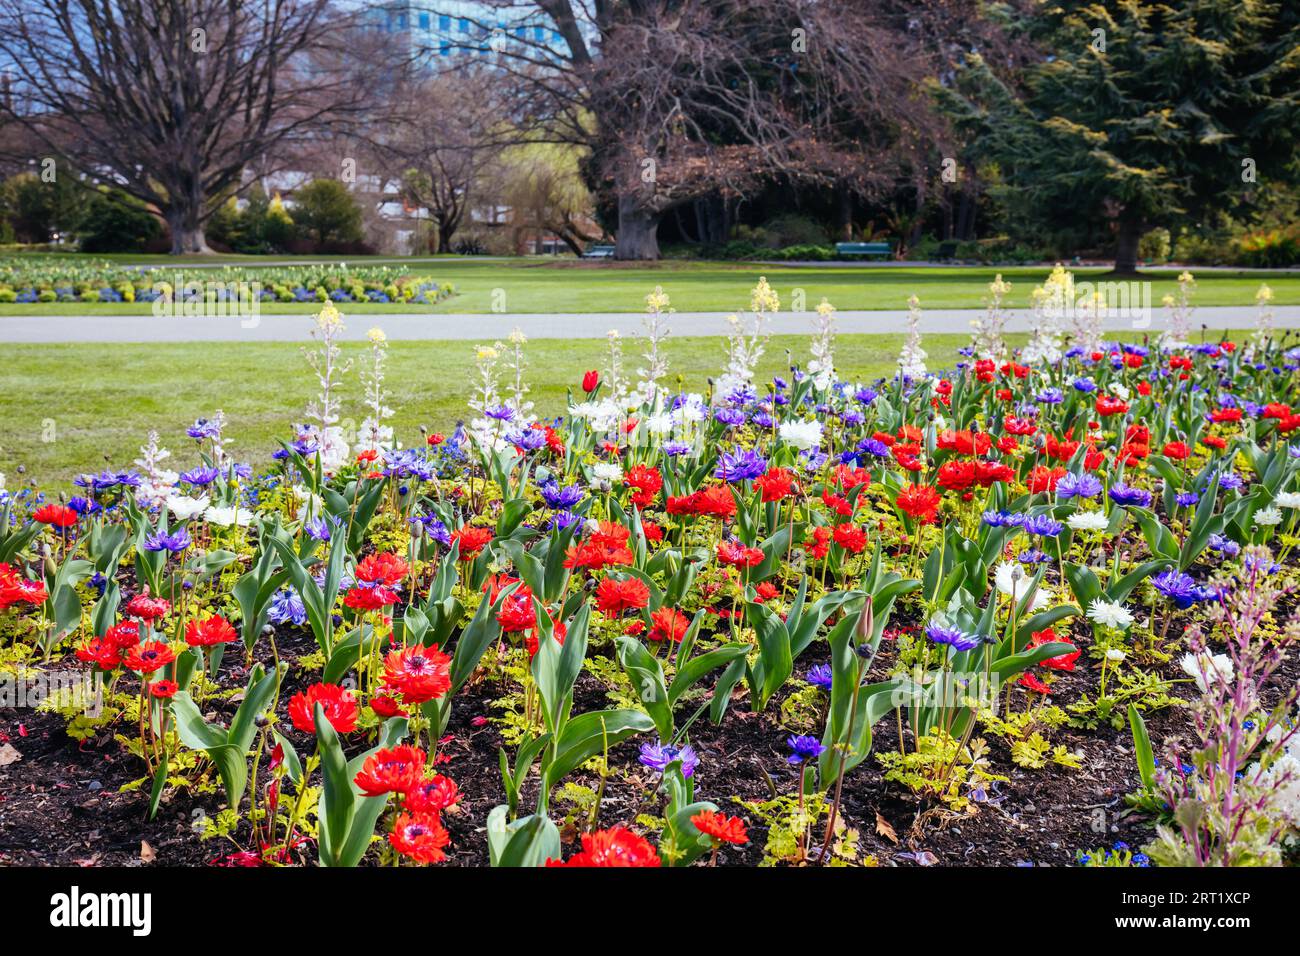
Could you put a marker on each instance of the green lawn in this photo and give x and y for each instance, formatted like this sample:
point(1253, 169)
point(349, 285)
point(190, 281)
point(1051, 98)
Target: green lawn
point(67, 409)
point(542, 285)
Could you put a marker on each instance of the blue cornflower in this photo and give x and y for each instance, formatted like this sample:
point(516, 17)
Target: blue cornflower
point(200, 476)
point(433, 528)
point(162, 541)
point(740, 466)
point(1224, 545)
point(563, 520)
point(1078, 486)
point(317, 529)
point(202, 429)
point(1044, 525)
point(1262, 565)
point(1180, 588)
point(1001, 519)
point(874, 446)
point(805, 747)
point(820, 676)
point(529, 439)
point(660, 756)
point(1122, 494)
point(560, 498)
point(954, 637)
point(287, 608)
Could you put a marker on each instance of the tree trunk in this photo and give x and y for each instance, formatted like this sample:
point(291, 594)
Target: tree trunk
point(638, 229)
point(187, 233)
point(1126, 246)
point(844, 213)
point(445, 232)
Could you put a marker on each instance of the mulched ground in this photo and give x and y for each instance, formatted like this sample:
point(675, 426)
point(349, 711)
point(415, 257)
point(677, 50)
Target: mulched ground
point(60, 805)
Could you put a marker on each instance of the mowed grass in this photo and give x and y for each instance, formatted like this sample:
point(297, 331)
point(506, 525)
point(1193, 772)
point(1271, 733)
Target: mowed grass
point(540, 285)
point(69, 409)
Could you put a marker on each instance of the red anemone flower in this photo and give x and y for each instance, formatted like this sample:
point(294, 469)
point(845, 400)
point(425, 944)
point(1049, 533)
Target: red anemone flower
point(420, 836)
point(668, 624)
point(146, 608)
point(921, 502)
point(209, 632)
point(163, 689)
point(472, 540)
point(60, 516)
point(418, 673)
point(614, 597)
point(149, 657)
point(616, 846)
point(382, 568)
point(721, 827)
point(391, 771)
point(432, 795)
point(338, 703)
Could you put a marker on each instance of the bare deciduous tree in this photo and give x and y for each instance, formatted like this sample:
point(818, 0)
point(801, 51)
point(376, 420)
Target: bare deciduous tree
point(172, 99)
point(680, 99)
point(447, 131)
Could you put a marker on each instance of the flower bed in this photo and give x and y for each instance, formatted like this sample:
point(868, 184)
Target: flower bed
point(1030, 610)
point(30, 280)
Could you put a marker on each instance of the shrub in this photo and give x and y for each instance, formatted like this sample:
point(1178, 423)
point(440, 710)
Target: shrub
point(326, 212)
point(116, 222)
point(1197, 249)
point(1154, 246)
point(1270, 248)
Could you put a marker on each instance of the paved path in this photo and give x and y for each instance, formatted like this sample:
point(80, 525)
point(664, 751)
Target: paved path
point(489, 326)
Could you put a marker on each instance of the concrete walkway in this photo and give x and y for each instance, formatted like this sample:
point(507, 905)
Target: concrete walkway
point(486, 327)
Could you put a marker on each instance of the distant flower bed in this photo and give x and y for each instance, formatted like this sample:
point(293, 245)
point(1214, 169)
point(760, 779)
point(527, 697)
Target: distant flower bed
point(32, 280)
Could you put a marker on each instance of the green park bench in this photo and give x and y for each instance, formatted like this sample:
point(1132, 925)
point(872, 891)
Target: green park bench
point(845, 250)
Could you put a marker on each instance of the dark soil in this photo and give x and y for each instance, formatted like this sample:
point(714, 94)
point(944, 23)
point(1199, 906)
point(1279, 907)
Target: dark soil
point(60, 802)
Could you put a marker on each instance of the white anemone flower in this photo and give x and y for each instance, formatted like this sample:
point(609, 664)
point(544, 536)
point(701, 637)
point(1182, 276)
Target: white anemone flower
point(184, 507)
point(1088, 521)
point(1202, 668)
point(607, 471)
point(225, 517)
point(1288, 499)
point(1012, 580)
point(1110, 614)
point(801, 434)
point(1268, 517)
